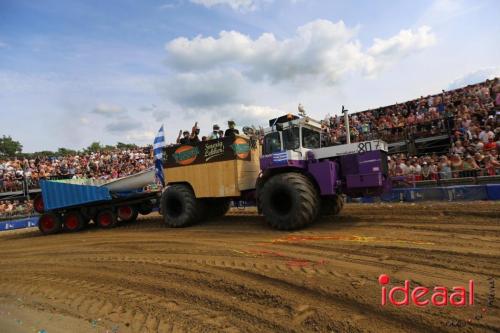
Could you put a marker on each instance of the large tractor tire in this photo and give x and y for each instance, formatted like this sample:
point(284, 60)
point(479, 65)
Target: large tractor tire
point(127, 213)
point(73, 221)
point(106, 219)
point(289, 201)
point(179, 206)
point(331, 205)
point(50, 223)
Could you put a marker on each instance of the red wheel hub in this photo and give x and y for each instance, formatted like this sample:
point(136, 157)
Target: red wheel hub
point(105, 219)
point(47, 222)
point(125, 212)
point(71, 221)
point(39, 204)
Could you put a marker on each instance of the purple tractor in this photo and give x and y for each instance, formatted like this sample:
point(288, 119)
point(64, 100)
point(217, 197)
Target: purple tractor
point(292, 176)
point(301, 178)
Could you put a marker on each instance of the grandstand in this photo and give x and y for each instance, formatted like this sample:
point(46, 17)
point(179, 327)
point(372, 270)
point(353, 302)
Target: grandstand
point(449, 138)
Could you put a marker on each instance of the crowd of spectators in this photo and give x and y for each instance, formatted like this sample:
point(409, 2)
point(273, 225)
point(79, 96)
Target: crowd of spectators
point(463, 113)
point(14, 208)
point(106, 164)
point(439, 167)
point(469, 117)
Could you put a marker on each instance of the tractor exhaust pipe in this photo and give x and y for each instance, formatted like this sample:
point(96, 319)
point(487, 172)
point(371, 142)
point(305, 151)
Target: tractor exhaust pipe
point(346, 124)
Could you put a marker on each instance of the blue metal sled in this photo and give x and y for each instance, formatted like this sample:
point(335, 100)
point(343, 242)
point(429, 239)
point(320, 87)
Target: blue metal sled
point(59, 195)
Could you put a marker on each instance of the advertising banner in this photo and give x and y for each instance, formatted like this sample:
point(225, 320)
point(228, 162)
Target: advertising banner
point(224, 149)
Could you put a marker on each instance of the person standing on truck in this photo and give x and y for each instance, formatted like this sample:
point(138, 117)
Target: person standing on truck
point(215, 133)
point(231, 131)
point(195, 131)
point(184, 140)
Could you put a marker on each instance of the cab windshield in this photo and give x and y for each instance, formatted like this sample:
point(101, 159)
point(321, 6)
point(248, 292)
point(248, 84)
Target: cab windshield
point(310, 138)
point(272, 143)
point(291, 139)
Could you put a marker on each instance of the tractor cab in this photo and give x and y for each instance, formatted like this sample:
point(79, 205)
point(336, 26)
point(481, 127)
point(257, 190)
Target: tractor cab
point(291, 133)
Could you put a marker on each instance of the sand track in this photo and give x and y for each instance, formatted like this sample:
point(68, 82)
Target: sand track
point(235, 274)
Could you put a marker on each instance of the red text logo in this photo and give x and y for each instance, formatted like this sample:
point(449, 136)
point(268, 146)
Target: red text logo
point(423, 296)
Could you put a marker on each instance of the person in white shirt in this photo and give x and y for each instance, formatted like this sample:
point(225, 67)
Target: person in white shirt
point(486, 134)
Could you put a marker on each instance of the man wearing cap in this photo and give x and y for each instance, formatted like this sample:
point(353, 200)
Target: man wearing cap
point(215, 134)
point(185, 138)
point(195, 131)
point(231, 131)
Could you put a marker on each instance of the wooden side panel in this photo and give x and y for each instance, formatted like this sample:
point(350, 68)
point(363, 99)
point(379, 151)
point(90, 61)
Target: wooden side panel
point(248, 171)
point(209, 180)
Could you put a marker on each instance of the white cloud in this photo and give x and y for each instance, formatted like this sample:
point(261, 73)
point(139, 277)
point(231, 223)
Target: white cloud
point(109, 110)
point(320, 50)
point(255, 114)
point(205, 89)
point(122, 126)
point(404, 43)
point(245, 5)
point(158, 114)
point(142, 136)
point(385, 52)
point(475, 77)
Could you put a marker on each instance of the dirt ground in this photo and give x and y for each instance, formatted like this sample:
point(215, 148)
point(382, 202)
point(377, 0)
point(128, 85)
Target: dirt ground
point(235, 274)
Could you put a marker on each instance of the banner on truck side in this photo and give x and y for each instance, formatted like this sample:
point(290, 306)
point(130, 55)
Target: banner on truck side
point(225, 149)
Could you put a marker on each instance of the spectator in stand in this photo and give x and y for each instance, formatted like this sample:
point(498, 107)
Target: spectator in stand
point(457, 165)
point(491, 145)
point(458, 148)
point(470, 167)
point(486, 134)
point(444, 168)
point(491, 165)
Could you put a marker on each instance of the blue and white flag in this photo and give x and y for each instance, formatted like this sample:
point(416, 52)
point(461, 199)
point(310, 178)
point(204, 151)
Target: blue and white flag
point(158, 146)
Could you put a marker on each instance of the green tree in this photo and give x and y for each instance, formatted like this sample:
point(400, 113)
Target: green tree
point(94, 147)
point(65, 152)
point(121, 145)
point(44, 153)
point(9, 147)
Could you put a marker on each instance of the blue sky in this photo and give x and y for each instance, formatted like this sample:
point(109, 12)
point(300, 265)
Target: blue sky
point(73, 72)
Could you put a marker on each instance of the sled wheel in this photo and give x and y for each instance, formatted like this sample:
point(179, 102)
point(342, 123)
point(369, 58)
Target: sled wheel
point(73, 221)
point(127, 213)
point(50, 223)
point(106, 219)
